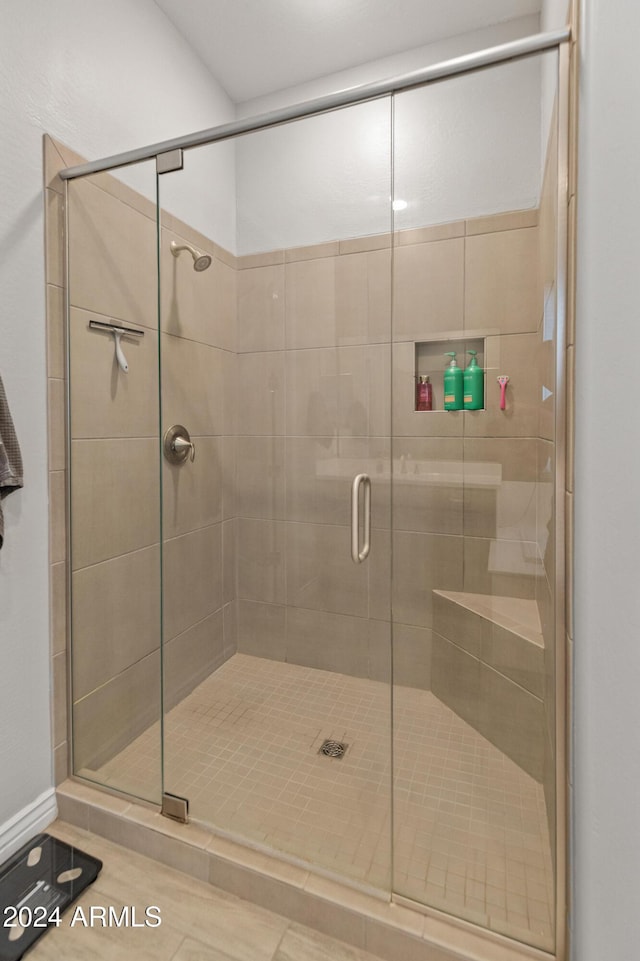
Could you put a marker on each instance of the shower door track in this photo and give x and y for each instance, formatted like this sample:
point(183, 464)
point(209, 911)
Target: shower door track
point(515, 50)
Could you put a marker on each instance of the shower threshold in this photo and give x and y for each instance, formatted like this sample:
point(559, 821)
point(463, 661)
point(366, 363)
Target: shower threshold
point(391, 928)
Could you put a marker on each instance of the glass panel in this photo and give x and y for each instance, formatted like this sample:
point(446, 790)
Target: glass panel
point(276, 358)
point(115, 488)
point(475, 182)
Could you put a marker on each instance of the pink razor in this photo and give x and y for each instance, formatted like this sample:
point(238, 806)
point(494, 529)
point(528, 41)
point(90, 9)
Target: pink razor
point(503, 380)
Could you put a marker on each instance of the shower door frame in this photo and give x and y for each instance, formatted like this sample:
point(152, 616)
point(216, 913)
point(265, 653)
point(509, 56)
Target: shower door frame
point(562, 693)
point(559, 40)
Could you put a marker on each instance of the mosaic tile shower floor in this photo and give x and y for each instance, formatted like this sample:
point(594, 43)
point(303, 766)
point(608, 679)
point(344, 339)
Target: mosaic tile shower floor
point(471, 826)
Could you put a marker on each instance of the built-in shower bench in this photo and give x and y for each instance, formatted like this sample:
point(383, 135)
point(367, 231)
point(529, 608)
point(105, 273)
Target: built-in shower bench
point(488, 665)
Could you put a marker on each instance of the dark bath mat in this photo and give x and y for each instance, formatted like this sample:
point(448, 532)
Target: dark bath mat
point(36, 885)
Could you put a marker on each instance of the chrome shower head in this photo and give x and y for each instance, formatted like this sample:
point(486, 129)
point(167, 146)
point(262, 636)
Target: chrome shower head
point(200, 261)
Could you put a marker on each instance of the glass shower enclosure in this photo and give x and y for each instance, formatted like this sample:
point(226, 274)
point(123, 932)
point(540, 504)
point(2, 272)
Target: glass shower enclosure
point(322, 616)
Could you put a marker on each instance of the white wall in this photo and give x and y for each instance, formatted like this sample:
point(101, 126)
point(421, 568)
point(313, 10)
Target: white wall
point(554, 14)
point(607, 516)
point(464, 148)
point(102, 77)
point(395, 65)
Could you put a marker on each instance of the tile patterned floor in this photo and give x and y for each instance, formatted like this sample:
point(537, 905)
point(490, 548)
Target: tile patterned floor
point(199, 922)
point(471, 836)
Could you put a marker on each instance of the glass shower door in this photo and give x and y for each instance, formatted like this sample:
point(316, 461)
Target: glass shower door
point(114, 521)
point(475, 164)
point(276, 361)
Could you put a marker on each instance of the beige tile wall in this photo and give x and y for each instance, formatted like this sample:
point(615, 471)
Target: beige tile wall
point(313, 379)
point(115, 496)
point(102, 605)
point(314, 371)
point(508, 283)
point(115, 490)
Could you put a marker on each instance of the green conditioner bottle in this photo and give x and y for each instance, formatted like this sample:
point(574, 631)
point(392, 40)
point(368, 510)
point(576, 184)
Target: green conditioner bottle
point(473, 384)
point(453, 395)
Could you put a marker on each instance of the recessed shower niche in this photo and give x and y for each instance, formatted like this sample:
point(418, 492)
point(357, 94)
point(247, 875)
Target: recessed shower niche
point(431, 361)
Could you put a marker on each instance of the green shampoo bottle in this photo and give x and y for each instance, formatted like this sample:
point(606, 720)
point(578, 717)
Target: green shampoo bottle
point(453, 393)
point(473, 384)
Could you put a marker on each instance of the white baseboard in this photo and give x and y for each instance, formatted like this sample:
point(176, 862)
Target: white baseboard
point(32, 819)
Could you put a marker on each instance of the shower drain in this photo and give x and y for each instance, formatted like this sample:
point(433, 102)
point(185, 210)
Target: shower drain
point(333, 748)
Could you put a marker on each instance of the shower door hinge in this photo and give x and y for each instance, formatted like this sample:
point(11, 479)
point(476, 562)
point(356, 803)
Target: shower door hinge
point(175, 807)
point(169, 161)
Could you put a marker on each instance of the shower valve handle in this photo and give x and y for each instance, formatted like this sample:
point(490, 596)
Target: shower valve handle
point(177, 445)
point(181, 444)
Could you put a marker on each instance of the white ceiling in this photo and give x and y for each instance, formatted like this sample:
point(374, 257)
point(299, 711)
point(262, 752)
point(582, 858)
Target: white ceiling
point(254, 47)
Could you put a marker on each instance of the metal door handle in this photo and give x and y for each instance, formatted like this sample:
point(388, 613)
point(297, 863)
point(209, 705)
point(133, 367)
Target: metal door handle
point(359, 555)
